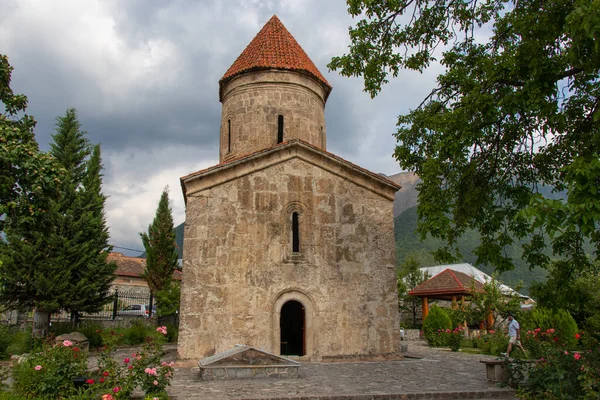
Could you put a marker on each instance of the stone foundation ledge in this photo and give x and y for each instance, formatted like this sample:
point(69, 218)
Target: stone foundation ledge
point(503, 394)
point(364, 357)
point(248, 372)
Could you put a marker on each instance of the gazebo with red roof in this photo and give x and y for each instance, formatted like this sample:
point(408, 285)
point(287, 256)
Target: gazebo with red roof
point(447, 285)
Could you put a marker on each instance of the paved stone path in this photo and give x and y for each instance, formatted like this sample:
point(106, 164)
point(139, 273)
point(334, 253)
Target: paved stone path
point(439, 374)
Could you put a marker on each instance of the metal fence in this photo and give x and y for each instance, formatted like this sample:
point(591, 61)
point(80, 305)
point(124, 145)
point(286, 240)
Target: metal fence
point(122, 304)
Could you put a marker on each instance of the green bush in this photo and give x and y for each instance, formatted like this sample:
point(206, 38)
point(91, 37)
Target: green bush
point(172, 333)
point(48, 374)
point(23, 342)
point(5, 339)
point(137, 333)
point(566, 328)
point(92, 332)
point(539, 317)
point(436, 321)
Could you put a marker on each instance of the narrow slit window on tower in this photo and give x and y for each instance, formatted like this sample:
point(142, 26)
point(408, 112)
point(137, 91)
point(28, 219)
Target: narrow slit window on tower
point(295, 233)
point(229, 136)
point(280, 129)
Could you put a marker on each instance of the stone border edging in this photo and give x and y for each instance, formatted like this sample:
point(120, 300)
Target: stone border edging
point(480, 394)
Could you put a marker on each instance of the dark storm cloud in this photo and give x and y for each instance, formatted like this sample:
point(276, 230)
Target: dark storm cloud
point(143, 75)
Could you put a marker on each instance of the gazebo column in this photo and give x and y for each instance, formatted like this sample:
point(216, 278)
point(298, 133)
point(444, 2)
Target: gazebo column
point(454, 303)
point(425, 307)
point(490, 319)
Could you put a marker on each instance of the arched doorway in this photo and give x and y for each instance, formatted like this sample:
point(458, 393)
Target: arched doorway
point(291, 325)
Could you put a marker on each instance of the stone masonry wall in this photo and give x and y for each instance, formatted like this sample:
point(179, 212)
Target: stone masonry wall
point(238, 264)
point(252, 103)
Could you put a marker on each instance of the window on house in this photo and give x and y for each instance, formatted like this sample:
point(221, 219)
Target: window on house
point(295, 233)
point(229, 136)
point(280, 129)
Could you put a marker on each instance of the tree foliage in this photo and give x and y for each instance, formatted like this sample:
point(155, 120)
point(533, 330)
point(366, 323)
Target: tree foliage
point(29, 184)
point(517, 107)
point(82, 235)
point(409, 277)
point(159, 243)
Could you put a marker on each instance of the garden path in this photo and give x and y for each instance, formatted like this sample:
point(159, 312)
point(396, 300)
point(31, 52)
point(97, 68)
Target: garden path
point(439, 374)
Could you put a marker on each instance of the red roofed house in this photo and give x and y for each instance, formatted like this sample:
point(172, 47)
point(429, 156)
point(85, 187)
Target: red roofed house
point(128, 275)
point(288, 248)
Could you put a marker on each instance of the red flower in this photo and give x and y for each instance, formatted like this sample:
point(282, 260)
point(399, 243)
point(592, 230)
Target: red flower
point(130, 367)
point(101, 380)
point(577, 336)
point(105, 373)
point(115, 390)
point(126, 360)
point(90, 381)
point(75, 348)
point(577, 356)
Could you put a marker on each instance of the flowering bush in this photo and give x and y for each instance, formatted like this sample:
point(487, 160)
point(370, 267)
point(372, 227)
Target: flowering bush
point(119, 378)
point(49, 373)
point(455, 338)
point(492, 342)
point(559, 373)
point(435, 322)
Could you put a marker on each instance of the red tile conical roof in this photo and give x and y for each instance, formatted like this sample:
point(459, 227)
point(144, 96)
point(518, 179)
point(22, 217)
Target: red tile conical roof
point(274, 47)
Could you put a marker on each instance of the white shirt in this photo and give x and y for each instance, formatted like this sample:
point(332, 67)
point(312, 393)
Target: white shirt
point(513, 327)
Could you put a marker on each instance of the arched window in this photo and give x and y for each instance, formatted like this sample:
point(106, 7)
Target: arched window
point(280, 129)
point(229, 136)
point(295, 232)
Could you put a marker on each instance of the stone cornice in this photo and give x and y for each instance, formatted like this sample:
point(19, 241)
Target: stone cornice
point(237, 168)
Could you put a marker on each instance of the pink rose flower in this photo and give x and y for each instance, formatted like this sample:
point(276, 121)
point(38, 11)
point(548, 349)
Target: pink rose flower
point(126, 360)
point(155, 382)
point(38, 367)
point(150, 371)
point(67, 343)
point(577, 356)
point(116, 390)
point(107, 397)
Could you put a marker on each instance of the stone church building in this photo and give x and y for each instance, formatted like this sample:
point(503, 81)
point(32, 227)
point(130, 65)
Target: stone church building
point(288, 248)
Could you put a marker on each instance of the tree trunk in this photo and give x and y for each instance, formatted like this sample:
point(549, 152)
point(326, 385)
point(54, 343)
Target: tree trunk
point(414, 313)
point(41, 323)
point(74, 320)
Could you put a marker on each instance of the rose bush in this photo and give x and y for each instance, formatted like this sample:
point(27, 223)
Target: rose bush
point(49, 373)
point(559, 372)
point(119, 378)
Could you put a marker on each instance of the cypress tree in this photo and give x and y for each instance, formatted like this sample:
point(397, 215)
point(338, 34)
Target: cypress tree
point(82, 235)
point(159, 243)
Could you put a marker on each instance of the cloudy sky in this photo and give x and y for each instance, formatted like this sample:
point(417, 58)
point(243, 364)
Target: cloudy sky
point(143, 76)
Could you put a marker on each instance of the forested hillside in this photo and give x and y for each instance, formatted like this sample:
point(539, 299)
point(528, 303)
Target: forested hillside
point(407, 241)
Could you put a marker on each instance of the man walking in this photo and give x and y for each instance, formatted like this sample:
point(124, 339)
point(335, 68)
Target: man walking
point(514, 335)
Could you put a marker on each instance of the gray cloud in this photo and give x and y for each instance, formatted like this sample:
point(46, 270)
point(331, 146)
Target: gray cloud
point(144, 74)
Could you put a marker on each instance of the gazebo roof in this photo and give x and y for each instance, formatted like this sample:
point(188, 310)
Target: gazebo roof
point(446, 284)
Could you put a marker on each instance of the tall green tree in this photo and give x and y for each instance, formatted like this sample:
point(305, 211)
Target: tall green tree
point(159, 243)
point(82, 235)
point(30, 182)
point(518, 107)
point(409, 277)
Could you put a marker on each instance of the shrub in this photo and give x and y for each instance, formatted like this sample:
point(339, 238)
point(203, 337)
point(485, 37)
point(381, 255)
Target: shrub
point(435, 322)
point(561, 374)
point(49, 373)
point(566, 328)
point(455, 338)
point(492, 343)
point(137, 333)
point(5, 339)
point(172, 333)
point(92, 332)
point(144, 369)
point(23, 342)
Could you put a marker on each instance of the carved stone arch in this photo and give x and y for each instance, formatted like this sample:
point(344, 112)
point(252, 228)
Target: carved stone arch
point(309, 320)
